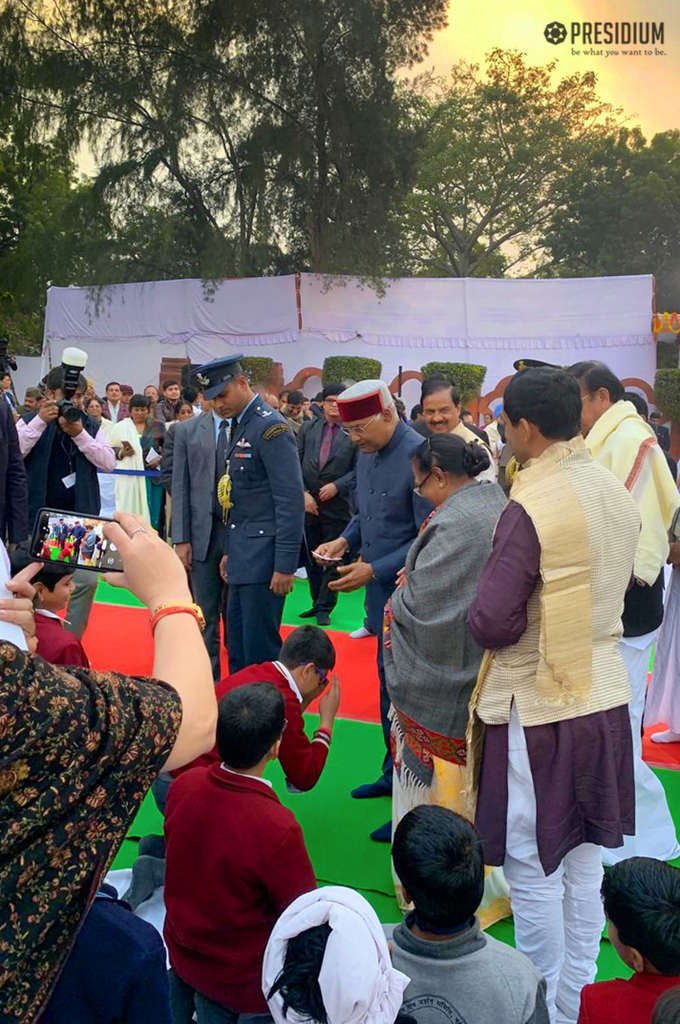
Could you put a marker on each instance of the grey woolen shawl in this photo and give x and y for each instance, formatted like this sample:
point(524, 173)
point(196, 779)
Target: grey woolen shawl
point(432, 661)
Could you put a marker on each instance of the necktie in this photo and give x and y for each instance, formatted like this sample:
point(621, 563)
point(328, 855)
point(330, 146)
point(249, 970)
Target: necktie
point(326, 443)
point(233, 428)
point(220, 460)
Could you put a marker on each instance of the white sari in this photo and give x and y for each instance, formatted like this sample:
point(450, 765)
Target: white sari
point(130, 490)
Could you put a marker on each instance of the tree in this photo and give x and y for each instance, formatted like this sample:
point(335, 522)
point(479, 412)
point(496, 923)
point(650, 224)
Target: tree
point(270, 130)
point(495, 150)
point(620, 213)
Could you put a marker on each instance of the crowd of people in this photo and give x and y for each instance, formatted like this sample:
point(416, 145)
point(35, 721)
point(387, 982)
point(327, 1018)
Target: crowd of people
point(514, 581)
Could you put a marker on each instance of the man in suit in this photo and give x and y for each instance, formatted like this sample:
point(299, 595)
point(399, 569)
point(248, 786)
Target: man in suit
point(114, 408)
point(389, 515)
point(328, 460)
point(259, 523)
point(663, 434)
point(13, 486)
point(189, 473)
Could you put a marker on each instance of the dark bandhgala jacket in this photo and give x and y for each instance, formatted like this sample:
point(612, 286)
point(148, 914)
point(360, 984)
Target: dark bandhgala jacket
point(235, 859)
point(388, 516)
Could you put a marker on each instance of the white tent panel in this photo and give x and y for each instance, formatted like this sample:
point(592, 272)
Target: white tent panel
point(128, 329)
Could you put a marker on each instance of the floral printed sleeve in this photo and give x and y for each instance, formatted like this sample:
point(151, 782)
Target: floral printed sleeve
point(78, 752)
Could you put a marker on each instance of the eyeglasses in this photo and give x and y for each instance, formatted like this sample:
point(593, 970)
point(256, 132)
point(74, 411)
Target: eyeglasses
point(418, 488)
point(322, 674)
point(360, 431)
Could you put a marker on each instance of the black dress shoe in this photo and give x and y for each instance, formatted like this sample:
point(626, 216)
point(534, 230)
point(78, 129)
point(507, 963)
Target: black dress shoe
point(383, 787)
point(307, 615)
point(323, 619)
point(383, 834)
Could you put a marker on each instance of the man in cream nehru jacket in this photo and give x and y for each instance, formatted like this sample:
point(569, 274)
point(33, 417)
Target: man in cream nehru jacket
point(387, 520)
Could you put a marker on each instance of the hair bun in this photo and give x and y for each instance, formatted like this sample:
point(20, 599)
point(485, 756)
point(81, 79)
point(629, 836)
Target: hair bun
point(475, 458)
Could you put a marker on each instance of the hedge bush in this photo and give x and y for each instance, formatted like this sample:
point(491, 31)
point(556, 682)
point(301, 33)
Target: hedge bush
point(468, 377)
point(338, 369)
point(258, 369)
point(667, 391)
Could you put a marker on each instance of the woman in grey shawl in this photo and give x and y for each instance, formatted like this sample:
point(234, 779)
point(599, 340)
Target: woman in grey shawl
point(431, 660)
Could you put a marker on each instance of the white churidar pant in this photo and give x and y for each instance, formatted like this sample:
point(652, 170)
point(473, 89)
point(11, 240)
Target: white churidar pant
point(654, 829)
point(559, 917)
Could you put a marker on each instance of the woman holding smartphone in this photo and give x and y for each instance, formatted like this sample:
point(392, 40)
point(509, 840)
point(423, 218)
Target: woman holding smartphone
point(78, 752)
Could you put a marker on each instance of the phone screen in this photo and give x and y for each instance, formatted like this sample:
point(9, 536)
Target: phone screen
point(75, 540)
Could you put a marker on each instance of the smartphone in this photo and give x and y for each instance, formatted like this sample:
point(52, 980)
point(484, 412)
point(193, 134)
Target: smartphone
point(74, 539)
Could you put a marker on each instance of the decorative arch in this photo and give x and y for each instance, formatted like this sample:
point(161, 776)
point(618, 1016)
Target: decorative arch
point(302, 376)
point(483, 403)
point(406, 375)
point(641, 385)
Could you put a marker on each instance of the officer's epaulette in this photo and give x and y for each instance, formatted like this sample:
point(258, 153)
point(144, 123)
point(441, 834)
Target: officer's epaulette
point(275, 430)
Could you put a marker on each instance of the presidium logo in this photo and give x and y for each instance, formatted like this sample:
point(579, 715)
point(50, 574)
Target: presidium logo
point(624, 33)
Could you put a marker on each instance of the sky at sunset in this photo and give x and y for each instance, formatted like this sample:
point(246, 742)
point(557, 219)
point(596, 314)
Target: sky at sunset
point(647, 87)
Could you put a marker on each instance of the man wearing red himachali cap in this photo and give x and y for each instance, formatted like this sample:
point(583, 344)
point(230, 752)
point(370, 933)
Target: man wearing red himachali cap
point(388, 516)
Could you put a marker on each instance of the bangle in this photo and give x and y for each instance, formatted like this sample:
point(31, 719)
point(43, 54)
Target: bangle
point(177, 609)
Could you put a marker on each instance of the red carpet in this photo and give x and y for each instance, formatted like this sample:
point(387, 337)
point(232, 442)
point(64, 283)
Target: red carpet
point(118, 639)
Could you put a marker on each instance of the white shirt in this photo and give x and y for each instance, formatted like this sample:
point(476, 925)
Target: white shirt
point(96, 449)
point(242, 775)
point(289, 679)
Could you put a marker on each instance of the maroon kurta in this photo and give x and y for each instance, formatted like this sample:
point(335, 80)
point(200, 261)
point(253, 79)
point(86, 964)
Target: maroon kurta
point(583, 767)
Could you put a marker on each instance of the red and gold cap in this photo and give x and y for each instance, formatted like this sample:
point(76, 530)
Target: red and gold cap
point(364, 399)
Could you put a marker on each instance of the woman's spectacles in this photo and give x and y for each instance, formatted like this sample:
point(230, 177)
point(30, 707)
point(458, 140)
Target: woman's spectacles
point(360, 431)
point(418, 488)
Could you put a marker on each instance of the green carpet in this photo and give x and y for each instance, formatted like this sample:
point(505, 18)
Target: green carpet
point(337, 828)
point(347, 616)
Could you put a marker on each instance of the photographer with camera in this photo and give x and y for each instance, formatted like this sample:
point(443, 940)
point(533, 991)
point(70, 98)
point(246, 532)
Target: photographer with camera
point(63, 449)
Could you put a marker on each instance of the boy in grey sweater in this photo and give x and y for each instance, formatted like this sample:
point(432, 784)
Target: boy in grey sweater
point(458, 974)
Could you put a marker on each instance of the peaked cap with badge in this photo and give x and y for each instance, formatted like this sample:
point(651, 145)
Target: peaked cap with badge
point(214, 377)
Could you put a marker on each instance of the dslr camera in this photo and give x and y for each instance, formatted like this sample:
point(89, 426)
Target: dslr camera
point(73, 362)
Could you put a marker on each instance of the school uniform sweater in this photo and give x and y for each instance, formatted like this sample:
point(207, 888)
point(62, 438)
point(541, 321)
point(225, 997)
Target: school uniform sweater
point(625, 1002)
point(301, 759)
point(235, 859)
point(55, 644)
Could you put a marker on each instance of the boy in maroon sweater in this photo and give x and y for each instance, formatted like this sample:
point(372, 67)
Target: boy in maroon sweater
point(301, 674)
point(235, 859)
point(53, 587)
point(642, 903)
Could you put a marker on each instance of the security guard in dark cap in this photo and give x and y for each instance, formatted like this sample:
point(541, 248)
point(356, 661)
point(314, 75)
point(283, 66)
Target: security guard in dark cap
point(260, 498)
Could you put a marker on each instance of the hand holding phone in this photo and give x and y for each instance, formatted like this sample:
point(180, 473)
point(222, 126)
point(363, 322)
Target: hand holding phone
point(331, 552)
point(74, 539)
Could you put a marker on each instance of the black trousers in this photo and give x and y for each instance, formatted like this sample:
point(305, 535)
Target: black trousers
point(254, 615)
point(318, 530)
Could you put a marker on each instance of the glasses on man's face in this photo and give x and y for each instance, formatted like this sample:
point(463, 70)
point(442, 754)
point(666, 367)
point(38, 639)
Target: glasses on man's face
point(322, 674)
point(360, 430)
point(418, 488)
